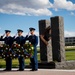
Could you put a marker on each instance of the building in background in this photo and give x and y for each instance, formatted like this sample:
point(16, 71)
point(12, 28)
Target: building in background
point(69, 41)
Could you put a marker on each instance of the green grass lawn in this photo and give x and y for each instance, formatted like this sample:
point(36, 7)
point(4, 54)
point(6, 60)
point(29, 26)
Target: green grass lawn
point(14, 62)
point(69, 54)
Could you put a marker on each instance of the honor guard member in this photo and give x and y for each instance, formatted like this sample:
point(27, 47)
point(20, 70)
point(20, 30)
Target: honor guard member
point(20, 40)
point(8, 40)
point(34, 41)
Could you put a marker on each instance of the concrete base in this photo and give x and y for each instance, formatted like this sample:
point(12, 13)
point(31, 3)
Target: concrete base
point(65, 65)
point(58, 65)
point(46, 65)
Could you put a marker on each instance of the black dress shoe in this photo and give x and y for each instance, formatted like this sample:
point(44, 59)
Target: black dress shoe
point(4, 70)
point(31, 70)
point(34, 70)
point(20, 70)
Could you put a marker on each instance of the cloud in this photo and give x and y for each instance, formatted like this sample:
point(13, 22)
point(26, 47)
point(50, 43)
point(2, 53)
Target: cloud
point(69, 34)
point(72, 13)
point(56, 9)
point(64, 4)
point(26, 7)
point(33, 7)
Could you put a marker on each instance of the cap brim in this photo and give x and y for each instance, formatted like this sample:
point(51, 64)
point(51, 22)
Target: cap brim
point(32, 29)
point(7, 31)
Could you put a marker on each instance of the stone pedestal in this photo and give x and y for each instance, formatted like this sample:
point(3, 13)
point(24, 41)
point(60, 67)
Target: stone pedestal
point(58, 43)
point(45, 51)
point(65, 65)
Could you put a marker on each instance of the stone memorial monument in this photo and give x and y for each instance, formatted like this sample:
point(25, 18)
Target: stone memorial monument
point(58, 42)
point(45, 50)
point(55, 52)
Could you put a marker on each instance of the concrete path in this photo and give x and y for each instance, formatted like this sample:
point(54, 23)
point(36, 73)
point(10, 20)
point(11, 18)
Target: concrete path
point(39, 72)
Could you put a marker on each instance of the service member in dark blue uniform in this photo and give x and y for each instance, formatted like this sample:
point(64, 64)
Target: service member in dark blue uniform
point(8, 41)
point(34, 41)
point(20, 40)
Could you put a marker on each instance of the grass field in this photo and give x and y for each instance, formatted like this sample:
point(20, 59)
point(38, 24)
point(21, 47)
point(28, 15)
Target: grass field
point(69, 54)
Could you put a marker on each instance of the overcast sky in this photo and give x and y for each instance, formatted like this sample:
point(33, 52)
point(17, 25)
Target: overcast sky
point(22, 14)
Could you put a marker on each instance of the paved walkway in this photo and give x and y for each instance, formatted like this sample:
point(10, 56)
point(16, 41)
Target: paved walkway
point(39, 72)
